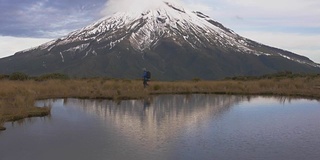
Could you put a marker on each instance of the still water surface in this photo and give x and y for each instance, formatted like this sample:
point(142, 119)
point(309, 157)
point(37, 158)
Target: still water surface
point(169, 127)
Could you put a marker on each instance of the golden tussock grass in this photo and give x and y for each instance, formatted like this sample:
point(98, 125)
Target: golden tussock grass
point(17, 98)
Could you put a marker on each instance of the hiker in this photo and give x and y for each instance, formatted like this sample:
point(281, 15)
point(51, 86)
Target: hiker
point(146, 77)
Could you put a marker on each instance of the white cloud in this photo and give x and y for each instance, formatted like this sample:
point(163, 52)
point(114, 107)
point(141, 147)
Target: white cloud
point(11, 45)
point(196, 6)
point(302, 44)
point(135, 6)
point(280, 6)
point(287, 24)
point(38, 6)
point(283, 12)
point(261, 13)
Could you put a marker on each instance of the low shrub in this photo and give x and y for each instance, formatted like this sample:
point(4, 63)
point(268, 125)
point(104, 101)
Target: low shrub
point(2, 76)
point(18, 76)
point(52, 76)
point(196, 79)
point(156, 87)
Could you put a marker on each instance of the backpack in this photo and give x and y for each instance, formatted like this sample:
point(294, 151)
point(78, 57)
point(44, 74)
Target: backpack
point(148, 75)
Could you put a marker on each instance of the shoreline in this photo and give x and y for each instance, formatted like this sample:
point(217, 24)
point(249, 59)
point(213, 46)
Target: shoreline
point(18, 97)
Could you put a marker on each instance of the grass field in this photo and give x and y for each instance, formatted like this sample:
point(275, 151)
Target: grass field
point(17, 97)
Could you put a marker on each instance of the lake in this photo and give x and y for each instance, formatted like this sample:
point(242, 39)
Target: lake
point(169, 127)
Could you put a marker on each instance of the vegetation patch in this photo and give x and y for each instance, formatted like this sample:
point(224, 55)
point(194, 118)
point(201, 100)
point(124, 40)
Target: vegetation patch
point(2, 128)
point(18, 76)
point(51, 76)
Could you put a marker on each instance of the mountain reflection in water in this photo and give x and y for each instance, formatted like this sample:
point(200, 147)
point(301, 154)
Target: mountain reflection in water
point(156, 119)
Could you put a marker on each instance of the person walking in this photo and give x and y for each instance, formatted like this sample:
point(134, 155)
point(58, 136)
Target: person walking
point(146, 77)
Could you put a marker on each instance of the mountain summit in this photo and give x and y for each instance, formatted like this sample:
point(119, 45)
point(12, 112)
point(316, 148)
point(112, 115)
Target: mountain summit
point(173, 43)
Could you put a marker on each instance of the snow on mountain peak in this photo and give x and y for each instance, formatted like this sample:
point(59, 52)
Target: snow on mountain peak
point(148, 21)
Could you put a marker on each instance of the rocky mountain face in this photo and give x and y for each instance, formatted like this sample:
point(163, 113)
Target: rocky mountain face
point(171, 42)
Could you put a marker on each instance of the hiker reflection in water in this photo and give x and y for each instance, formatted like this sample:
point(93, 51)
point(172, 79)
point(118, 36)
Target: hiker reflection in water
point(146, 103)
point(146, 77)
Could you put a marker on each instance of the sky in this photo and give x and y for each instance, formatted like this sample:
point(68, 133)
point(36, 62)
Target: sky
point(292, 25)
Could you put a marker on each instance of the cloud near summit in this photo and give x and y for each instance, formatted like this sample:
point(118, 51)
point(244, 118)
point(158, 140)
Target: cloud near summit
point(134, 6)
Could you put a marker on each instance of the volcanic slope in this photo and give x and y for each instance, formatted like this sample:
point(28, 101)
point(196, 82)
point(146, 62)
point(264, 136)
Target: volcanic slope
point(170, 41)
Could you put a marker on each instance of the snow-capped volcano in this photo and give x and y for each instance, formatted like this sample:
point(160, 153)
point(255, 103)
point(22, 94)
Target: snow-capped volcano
point(143, 30)
point(170, 40)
